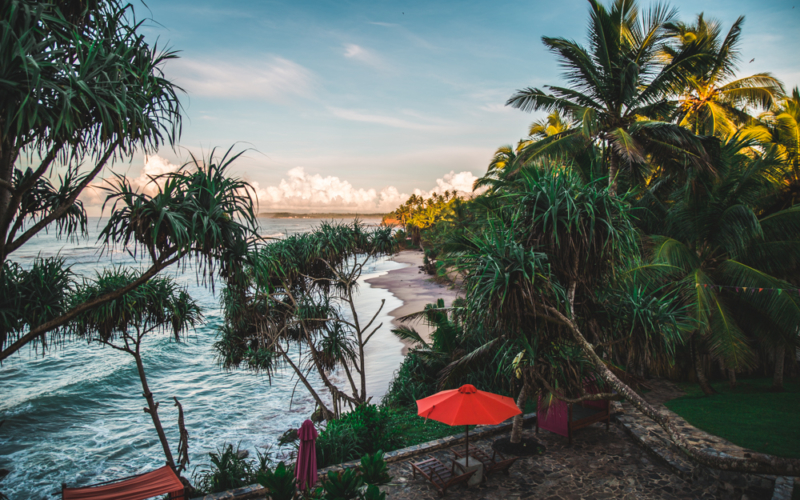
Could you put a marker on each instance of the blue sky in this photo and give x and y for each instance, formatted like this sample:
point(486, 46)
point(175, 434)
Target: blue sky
point(368, 95)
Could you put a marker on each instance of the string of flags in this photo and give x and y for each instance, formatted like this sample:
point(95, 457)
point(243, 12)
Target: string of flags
point(752, 289)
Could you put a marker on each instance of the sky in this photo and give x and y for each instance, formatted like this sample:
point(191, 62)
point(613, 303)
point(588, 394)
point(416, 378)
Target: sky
point(350, 106)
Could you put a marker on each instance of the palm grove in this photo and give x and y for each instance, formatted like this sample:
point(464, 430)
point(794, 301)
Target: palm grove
point(616, 235)
point(646, 226)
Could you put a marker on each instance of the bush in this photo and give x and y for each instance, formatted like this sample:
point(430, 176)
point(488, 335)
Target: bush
point(366, 429)
point(280, 482)
point(344, 485)
point(230, 469)
point(374, 470)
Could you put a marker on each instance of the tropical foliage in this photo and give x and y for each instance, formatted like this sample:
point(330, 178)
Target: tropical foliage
point(645, 227)
point(300, 291)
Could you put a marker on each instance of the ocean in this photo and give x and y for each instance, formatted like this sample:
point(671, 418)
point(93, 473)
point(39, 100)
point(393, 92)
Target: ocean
point(75, 414)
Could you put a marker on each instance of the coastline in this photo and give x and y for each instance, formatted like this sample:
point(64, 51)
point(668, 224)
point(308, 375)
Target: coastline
point(414, 288)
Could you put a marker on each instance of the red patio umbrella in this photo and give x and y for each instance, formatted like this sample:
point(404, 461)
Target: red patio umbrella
point(305, 469)
point(467, 406)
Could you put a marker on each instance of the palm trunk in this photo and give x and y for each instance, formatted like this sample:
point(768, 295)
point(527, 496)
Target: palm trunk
point(613, 165)
point(777, 377)
point(732, 378)
point(757, 463)
point(700, 370)
point(152, 409)
point(516, 428)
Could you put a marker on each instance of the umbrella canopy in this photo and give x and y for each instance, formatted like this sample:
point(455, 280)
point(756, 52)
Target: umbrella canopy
point(467, 406)
point(306, 467)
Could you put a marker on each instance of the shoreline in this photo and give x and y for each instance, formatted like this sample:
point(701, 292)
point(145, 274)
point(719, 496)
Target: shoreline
point(414, 288)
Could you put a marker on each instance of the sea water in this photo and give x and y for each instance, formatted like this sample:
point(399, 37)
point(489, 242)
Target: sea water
point(75, 414)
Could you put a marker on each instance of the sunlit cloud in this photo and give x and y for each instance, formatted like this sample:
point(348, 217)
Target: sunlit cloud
point(302, 191)
point(298, 190)
point(271, 79)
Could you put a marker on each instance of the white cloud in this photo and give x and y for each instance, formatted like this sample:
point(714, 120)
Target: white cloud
point(359, 53)
point(272, 78)
point(460, 182)
point(299, 191)
point(147, 181)
point(389, 121)
point(302, 191)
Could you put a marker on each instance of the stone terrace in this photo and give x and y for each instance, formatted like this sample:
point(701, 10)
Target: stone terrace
point(599, 464)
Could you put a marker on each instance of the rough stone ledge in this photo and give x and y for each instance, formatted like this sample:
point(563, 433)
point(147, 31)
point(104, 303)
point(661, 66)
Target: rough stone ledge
point(244, 493)
point(257, 491)
point(662, 450)
point(437, 444)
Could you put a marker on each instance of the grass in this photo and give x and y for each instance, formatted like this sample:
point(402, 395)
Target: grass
point(749, 416)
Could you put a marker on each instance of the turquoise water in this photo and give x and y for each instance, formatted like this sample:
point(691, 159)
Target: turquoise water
point(75, 414)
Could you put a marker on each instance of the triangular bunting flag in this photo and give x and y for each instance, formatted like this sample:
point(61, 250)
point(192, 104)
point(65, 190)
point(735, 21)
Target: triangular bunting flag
point(759, 290)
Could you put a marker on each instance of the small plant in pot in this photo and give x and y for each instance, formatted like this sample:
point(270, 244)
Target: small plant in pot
point(279, 482)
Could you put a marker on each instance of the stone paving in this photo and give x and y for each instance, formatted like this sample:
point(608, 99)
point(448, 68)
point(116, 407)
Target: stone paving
point(599, 464)
point(651, 436)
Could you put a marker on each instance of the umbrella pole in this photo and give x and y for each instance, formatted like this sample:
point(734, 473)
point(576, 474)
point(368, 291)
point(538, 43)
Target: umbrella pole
point(467, 428)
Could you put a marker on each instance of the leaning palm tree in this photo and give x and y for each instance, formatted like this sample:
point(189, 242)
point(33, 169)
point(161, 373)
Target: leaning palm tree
point(729, 251)
point(619, 90)
point(714, 100)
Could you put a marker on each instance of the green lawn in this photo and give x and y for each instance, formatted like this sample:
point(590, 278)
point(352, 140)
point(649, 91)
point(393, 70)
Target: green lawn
point(749, 415)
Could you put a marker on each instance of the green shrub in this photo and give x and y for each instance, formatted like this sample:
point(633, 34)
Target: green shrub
point(366, 429)
point(228, 470)
point(280, 482)
point(345, 485)
point(373, 493)
point(374, 470)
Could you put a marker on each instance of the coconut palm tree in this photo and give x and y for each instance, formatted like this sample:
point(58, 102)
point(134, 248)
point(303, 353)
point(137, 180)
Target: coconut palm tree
point(783, 130)
point(620, 89)
point(729, 251)
point(714, 101)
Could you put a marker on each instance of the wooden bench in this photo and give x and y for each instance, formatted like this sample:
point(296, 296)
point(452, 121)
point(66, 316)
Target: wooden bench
point(440, 476)
point(495, 463)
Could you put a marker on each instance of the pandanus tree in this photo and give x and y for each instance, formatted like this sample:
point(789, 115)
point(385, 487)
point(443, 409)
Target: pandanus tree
point(549, 237)
point(619, 93)
point(538, 286)
point(198, 212)
point(79, 88)
point(718, 238)
point(714, 100)
point(295, 305)
point(157, 306)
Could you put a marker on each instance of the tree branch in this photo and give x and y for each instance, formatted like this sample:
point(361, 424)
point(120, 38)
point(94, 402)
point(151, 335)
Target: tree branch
point(61, 210)
point(66, 317)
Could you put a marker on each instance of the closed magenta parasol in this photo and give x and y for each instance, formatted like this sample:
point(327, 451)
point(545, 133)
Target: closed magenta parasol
point(306, 468)
point(467, 406)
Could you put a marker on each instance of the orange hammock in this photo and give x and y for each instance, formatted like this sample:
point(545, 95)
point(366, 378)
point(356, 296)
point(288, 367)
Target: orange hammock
point(159, 482)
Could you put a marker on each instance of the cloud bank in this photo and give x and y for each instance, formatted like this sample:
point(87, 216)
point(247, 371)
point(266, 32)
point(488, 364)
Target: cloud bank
point(300, 191)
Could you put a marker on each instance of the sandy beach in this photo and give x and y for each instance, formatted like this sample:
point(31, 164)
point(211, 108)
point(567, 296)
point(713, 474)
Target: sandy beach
point(414, 288)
